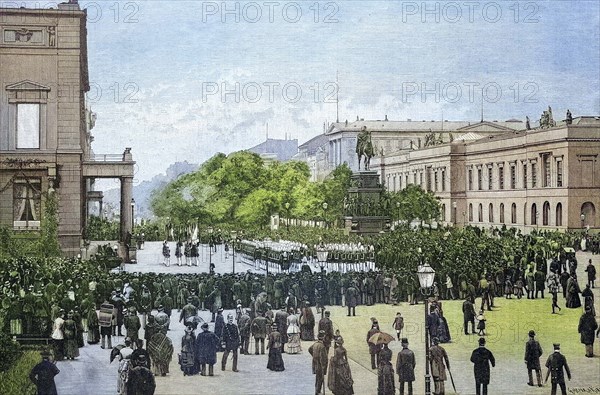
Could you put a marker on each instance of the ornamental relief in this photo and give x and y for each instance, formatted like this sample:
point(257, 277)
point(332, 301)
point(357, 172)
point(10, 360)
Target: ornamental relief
point(29, 36)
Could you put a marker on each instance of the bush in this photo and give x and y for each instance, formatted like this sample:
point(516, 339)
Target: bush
point(15, 381)
point(11, 351)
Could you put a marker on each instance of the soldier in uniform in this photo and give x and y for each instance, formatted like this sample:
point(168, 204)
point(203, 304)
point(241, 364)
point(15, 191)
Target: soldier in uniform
point(439, 362)
point(405, 367)
point(533, 352)
point(231, 342)
point(555, 363)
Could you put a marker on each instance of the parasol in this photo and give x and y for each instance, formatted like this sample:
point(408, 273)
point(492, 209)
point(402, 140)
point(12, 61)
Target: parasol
point(381, 338)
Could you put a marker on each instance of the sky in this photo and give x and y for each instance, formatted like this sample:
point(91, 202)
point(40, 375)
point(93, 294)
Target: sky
point(183, 80)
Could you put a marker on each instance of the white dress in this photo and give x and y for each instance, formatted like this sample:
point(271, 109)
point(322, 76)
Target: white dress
point(293, 331)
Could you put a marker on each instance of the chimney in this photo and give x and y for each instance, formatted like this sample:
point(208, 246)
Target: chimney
point(386, 118)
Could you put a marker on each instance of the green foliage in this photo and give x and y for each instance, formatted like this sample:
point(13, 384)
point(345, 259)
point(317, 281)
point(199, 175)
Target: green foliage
point(102, 229)
point(48, 243)
point(15, 381)
point(413, 203)
point(11, 351)
point(240, 187)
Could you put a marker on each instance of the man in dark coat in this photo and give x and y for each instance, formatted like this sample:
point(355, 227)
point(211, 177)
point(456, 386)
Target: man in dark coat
point(468, 315)
point(587, 327)
point(326, 326)
point(231, 342)
point(42, 375)
point(259, 331)
point(373, 348)
point(206, 350)
point(482, 358)
point(219, 325)
point(555, 363)
point(244, 328)
point(319, 362)
point(351, 299)
point(439, 362)
point(187, 311)
point(591, 273)
point(405, 367)
point(533, 352)
point(385, 372)
point(573, 291)
point(281, 321)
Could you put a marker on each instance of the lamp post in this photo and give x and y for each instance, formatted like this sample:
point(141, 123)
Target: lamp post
point(132, 211)
point(322, 254)
point(426, 276)
point(287, 214)
point(210, 231)
point(233, 240)
point(324, 215)
point(582, 221)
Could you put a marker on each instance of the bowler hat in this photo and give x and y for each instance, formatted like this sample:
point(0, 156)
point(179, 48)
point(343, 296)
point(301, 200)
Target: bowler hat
point(482, 341)
point(531, 333)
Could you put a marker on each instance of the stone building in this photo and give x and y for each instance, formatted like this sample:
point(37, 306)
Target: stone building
point(45, 139)
point(540, 178)
point(393, 136)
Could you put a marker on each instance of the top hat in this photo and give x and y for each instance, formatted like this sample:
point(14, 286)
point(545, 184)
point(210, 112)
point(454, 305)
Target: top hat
point(556, 346)
point(404, 340)
point(531, 333)
point(481, 341)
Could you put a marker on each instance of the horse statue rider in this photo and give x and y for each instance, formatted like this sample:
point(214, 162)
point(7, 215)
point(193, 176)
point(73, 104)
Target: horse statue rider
point(364, 147)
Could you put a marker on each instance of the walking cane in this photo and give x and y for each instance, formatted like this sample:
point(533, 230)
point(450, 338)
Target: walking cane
point(452, 380)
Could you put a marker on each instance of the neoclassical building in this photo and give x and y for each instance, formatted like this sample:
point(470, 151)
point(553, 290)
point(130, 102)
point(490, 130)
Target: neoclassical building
point(45, 127)
point(540, 178)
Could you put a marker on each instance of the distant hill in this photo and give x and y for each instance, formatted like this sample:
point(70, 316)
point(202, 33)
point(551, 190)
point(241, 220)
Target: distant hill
point(143, 191)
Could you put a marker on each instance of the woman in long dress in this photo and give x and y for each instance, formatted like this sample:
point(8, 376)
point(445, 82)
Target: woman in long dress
point(573, 291)
point(274, 346)
point(70, 334)
point(293, 331)
point(93, 334)
point(187, 359)
point(307, 323)
point(339, 379)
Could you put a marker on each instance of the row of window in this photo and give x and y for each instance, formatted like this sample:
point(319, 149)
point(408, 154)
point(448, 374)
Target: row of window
point(551, 176)
point(435, 180)
point(547, 213)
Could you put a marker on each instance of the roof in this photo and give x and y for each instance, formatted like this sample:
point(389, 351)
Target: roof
point(284, 150)
point(469, 137)
point(312, 145)
point(425, 126)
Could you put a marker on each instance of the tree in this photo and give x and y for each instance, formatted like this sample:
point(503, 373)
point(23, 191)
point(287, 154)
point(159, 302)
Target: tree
point(257, 208)
point(414, 204)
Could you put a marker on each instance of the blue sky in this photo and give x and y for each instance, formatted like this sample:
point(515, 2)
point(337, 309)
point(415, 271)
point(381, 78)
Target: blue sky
point(167, 53)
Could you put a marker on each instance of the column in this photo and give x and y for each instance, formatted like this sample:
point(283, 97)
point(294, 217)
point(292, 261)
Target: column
point(126, 195)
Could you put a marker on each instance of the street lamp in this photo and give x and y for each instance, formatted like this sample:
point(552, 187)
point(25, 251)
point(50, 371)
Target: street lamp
point(233, 240)
point(210, 268)
point(324, 211)
point(132, 209)
point(322, 254)
point(287, 220)
point(426, 276)
point(582, 221)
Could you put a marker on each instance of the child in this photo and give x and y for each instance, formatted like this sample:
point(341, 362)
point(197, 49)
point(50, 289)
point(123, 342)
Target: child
point(508, 289)
point(481, 324)
point(519, 288)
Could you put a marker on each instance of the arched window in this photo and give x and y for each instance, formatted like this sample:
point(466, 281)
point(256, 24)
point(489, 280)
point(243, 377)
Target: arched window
point(501, 213)
point(588, 210)
point(513, 213)
point(546, 214)
point(558, 220)
point(480, 213)
point(470, 212)
point(534, 214)
point(491, 213)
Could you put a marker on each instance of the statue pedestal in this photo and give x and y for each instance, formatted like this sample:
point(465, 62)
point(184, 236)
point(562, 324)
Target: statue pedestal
point(364, 214)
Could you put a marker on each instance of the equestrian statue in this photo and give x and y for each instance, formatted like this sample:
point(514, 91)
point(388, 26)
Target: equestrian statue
point(364, 147)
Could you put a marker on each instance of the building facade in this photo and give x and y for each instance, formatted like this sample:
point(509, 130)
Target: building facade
point(395, 136)
point(541, 178)
point(45, 128)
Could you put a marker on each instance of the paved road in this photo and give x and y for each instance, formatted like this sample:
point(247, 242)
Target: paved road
point(91, 373)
